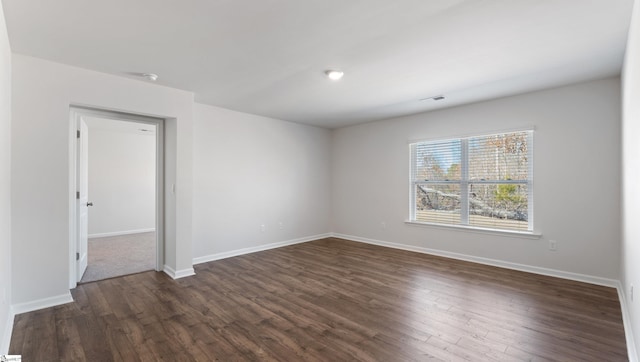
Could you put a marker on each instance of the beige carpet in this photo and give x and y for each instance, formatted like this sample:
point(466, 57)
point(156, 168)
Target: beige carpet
point(114, 256)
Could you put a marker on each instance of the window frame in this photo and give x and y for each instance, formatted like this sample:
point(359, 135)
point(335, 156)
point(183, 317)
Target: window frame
point(464, 182)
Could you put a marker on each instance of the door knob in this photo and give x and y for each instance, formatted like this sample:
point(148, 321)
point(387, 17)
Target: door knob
point(89, 203)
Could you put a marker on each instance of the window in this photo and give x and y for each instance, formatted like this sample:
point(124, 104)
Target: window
point(481, 182)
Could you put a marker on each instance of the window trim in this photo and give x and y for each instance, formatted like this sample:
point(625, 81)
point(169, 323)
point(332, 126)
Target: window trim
point(478, 230)
point(464, 184)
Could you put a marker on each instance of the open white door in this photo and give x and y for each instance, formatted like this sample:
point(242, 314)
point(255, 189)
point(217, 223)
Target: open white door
point(82, 199)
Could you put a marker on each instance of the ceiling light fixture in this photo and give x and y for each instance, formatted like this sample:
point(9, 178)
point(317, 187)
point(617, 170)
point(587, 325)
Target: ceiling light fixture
point(150, 76)
point(334, 74)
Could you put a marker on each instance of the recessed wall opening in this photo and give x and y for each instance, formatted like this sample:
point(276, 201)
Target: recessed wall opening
point(118, 187)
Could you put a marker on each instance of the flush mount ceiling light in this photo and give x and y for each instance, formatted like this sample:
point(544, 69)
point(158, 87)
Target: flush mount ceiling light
point(334, 74)
point(150, 76)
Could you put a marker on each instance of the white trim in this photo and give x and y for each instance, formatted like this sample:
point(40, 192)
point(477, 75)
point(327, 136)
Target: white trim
point(493, 262)
point(160, 206)
point(42, 303)
point(177, 274)
point(118, 233)
point(626, 321)
point(531, 180)
point(73, 222)
point(473, 229)
point(470, 135)
point(254, 249)
point(8, 330)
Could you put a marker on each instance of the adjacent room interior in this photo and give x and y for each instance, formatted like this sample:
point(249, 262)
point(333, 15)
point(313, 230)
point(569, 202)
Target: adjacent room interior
point(453, 180)
point(121, 192)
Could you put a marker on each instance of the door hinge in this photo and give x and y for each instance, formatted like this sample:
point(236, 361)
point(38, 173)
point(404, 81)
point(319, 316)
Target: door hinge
point(78, 134)
point(77, 195)
point(77, 256)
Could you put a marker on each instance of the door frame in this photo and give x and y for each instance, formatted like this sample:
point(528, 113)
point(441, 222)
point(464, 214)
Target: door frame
point(82, 202)
point(75, 114)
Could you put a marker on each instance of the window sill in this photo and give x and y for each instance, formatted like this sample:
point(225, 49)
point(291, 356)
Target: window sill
point(470, 229)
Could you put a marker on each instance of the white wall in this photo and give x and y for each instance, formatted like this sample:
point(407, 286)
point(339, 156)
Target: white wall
point(576, 178)
point(5, 186)
point(250, 171)
point(41, 204)
point(122, 166)
point(631, 173)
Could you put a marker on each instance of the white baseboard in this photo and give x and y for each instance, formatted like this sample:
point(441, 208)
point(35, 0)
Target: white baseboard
point(493, 262)
point(42, 303)
point(254, 249)
point(626, 320)
point(6, 336)
point(177, 274)
point(118, 233)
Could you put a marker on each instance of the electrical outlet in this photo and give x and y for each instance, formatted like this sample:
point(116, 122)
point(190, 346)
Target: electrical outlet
point(280, 225)
point(383, 224)
point(631, 292)
point(263, 228)
point(553, 245)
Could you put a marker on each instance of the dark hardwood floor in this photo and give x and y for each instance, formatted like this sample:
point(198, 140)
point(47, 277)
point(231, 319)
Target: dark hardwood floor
point(329, 300)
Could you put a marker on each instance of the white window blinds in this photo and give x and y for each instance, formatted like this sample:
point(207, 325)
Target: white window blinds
point(483, 182)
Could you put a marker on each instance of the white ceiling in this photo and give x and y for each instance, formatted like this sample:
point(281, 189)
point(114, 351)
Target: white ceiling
point(267, 57)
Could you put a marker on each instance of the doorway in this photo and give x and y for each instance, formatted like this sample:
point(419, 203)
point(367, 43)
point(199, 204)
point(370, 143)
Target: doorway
point(118, 182)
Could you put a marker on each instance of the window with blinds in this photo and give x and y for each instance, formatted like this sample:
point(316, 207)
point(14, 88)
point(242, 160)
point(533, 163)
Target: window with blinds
point(482, 182)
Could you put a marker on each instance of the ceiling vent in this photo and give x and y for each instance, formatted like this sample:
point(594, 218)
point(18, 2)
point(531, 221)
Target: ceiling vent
point(435, 98)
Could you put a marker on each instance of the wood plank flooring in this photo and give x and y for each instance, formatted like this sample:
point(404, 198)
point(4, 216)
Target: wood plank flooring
point(329, 300)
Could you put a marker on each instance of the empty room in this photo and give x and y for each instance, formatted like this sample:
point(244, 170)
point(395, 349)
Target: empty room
point(450, 180)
